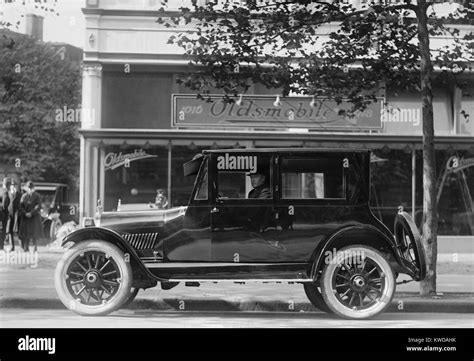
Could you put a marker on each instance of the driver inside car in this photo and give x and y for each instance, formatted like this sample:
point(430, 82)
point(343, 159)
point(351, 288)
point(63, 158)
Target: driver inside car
point(259, 217)
point(259, 182)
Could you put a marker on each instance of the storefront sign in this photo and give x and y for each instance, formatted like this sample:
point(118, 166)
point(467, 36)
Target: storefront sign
point(265, 112)
point(114, 160)
point(456, 164)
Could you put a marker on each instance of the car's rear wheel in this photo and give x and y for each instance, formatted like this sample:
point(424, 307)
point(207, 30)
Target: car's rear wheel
point(93, 278)
point(359, 283)
point(314, 295)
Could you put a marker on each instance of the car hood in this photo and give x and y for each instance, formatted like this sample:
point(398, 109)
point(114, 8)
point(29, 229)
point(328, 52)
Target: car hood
point(139, 221)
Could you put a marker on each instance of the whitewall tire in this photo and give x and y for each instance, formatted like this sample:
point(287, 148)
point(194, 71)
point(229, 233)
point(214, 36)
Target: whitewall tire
point(358, 284)
point(93, 278)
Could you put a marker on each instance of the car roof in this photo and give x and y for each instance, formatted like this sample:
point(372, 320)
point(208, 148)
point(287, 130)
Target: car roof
point(285, 150)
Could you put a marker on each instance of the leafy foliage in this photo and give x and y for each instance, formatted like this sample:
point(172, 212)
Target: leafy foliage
point(40, 7)
point(34, 84)
point(280, 44)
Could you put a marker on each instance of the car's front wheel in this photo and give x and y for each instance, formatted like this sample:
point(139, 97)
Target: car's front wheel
point(54, 228)
point(358, 283)
point(93, 278)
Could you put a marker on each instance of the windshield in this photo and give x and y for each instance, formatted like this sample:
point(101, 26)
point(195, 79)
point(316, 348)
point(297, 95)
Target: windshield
point(201, 183)
point(47, 198)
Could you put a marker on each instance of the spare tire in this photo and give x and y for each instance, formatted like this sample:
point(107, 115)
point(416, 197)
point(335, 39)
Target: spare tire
point(409, 244)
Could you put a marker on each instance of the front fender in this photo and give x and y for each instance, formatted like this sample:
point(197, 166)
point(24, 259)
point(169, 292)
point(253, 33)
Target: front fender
point(356, 234)
point(107, 235)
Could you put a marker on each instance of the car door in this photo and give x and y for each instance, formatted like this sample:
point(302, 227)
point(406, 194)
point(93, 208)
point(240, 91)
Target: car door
point(239, 222)
point(311, 202)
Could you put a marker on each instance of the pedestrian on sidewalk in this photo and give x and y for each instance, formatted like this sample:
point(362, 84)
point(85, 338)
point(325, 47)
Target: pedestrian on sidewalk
point(4, 210)
point(14, 198)
point(30, 223)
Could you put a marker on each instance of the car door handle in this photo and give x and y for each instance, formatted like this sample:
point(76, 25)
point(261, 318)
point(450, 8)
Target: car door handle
point(215, 210)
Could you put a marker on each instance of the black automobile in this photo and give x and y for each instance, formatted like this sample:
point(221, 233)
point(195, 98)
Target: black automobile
point(285, 215)
point(56, 207)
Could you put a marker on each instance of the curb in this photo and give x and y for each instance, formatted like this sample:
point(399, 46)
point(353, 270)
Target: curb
point(398, 305)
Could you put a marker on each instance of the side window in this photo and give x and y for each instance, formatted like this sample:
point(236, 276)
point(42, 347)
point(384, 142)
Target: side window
point(312, 178)
point(243, 176)
point(202, 191)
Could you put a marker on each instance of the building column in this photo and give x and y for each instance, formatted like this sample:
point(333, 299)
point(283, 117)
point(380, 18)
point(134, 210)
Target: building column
point(413, 182)
point(91, 96)
point(82, 166)
point(89, 180)
point(101, 174)
point(91, 119)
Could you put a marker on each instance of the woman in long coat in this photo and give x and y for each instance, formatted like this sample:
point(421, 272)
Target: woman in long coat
point(30, 225)
point(14, 198)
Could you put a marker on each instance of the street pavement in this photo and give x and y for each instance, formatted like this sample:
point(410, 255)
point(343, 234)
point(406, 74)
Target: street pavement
point(21, 318)
point(27, 287)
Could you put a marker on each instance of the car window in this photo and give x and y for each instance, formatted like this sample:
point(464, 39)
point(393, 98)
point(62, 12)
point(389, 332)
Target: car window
point(243, 176)
point(312, 178)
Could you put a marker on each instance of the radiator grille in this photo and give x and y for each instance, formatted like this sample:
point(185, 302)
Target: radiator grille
point(141, 240)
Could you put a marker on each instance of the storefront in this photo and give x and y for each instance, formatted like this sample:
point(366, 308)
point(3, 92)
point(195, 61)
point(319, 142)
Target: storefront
point(146, 126)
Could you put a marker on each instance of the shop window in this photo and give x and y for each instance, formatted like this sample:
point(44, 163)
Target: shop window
point(455, 192)
point(312, 179)
point(133, 175)
point(455, 171)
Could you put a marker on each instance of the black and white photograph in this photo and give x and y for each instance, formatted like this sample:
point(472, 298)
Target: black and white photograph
point(244, 176)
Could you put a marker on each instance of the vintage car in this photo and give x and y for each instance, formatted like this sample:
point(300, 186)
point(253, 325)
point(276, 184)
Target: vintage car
point(57, 210)
point(256, 215)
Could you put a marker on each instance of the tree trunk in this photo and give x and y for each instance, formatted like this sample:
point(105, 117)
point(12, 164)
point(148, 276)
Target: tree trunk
point(430, 207)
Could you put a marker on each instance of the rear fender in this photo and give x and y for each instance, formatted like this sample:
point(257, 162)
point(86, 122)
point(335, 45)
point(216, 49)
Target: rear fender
point(357, 234)
point(107, 235)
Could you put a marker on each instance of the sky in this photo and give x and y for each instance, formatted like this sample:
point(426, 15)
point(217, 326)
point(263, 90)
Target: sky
point(66, 27)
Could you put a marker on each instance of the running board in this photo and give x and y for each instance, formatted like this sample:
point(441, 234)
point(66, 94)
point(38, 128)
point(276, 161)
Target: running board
point(230, 272)
point(243, 281)
point(184, 265)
